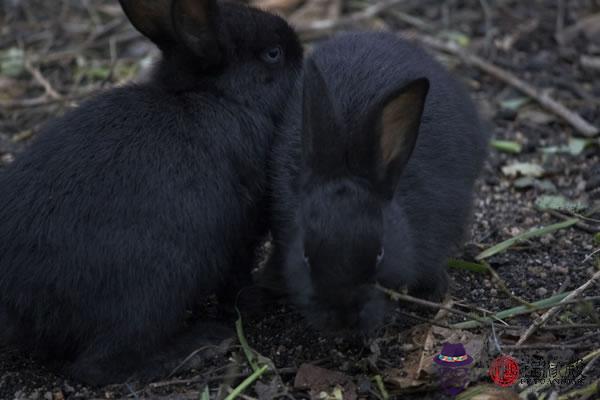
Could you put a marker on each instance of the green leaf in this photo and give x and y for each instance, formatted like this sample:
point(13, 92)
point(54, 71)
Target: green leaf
point(500, 247)
point(523, 169)
point(506, 146)
point(12, 62)
point(457, 37)
point(529, 182)
point(467, 265)
point(559, 203)
point(577, 145)
point(514, 104)
point(597, 238)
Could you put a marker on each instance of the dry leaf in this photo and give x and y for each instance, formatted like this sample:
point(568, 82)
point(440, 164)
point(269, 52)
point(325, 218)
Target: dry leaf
point(536, 117)
point(281, 6)
point(320, 380)
point(488, 392)
point(314, 10)
point(419, 368)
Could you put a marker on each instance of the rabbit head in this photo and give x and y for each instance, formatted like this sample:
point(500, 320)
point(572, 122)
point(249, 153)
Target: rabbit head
point(350, 172)
point(236, 51)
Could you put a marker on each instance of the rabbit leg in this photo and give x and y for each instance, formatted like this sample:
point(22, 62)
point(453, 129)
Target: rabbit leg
point(431, 286)
point(105, 363)
point(8, 326)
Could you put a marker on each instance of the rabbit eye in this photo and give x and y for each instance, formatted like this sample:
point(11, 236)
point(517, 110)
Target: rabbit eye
point(380, 256)
point(272, 55)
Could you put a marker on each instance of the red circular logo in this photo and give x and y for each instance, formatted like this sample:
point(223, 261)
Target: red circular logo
point(504, 371)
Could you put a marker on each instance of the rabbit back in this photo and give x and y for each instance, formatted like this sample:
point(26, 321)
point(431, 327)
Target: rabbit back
point(125, 212)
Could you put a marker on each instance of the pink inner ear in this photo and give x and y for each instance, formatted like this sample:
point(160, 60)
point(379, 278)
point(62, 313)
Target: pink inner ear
point(397, 121)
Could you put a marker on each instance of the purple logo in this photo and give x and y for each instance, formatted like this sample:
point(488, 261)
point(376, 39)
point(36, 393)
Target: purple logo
point(454, 365)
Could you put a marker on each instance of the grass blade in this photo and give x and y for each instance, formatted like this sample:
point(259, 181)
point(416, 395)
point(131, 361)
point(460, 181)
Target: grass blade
point(247, 382)
point(511, 312)
point(205, 395)
point(467, 266)
point(239, 327)
point(506, 146)
point(500, 247)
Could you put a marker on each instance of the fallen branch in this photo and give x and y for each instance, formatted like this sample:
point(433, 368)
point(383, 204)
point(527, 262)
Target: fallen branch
point(552, 312)
point(574, 119)
point(39, 78)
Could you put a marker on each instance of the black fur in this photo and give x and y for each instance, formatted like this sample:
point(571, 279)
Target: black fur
point(139, 203)
point(338, 198)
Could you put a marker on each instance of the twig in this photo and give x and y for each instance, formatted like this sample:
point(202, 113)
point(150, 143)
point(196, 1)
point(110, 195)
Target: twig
point(584, 372)
point(43, 100)
point(328, 24)
point(574, 119)
point(590, 256)
point(188, 358)
point(552, 312)
point(579, 224)
point(487, 15)
point(581, 338)
point(425, 303)
point(547, 382)
point(423, 319)
point(39, 78)
point(570, 326)
point(542, 346)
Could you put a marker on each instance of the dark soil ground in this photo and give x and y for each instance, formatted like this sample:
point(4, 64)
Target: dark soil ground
point(82, 47)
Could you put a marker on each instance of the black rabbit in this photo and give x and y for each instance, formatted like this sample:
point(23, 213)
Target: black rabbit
point(373, 176)
point(141, 202)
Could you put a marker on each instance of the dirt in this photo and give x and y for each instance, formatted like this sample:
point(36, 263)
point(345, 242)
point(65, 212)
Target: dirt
point(521, 37)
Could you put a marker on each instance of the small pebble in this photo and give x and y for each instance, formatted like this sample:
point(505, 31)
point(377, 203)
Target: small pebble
point(559, 270)
point(541, 291)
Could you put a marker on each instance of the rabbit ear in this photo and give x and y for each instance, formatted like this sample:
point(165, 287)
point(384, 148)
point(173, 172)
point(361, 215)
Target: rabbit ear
point(152, 18)
point(398, 128)
point(168, 22)
point(319, 123)
point(195, 22)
